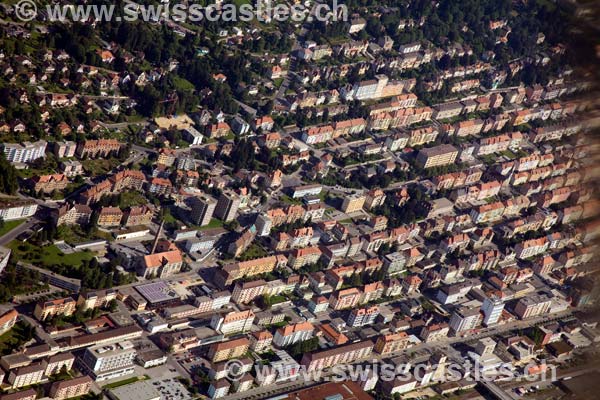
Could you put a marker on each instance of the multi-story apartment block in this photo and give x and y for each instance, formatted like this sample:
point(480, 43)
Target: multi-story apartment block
point(160, 187)
point(532, 247)
point(98, 148)
point(232, 322)
point(353, 203)
point(56, 363)
point(31, 374)
point(245, 292)
point(23, 153)
point(71, 168)
point(8, 320)
point(222, 351)
point(70, 388)
point(363, 316)
point(48, 309)
point(306, 256)
point(48, 183)
point(434, 332)
point(444, 154)
point(290, 334)
point(64, 149)
point(104, 362)
point(138, 215)
point(261, 341)
point(347, 298)
point(392, 343)
point(492, 308)
point(110, 217)
point(465, 319)
point(202, 211)
point(532, 306)
point(227, 206)
point(341, 355)
point(76, 214)
point(91, 299)
point(13, 208)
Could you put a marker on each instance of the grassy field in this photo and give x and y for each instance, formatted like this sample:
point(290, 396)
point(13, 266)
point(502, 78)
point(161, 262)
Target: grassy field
point(10, 225)
point(47, 255)
point(214, 223)
point(99, 166)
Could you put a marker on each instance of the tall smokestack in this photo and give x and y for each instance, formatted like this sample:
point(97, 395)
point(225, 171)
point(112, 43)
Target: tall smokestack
point(158, 232)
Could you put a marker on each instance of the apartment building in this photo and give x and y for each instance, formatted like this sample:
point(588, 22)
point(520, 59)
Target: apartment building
point(532, 306)
point(301, 257)
point(422, 136)
point(245, 292)
point(31, 374)
point(261, 341)
point(232, 322)
point(465, 319)
point(55, 364)
point(203, 208)
point(48, 183)
point(227, 350)
point(138, 215)
point(374, 198)
point(91, 299)
point(48, 309)
point(353, 203)
point(290, 334)
point(98, 148)
point(75, 387)
point(76, 214)
point(8, 320)
point(17, 153)
point(71, 168)
point(392, 343)
point(363, 316)
point(227, 206)
point(104, 362)
point(492, 308)
point(233, 271)
point(347, 298)
point(110, 217)
point(160, 187)
point(13, 208)
point(341, 355)
point(531, 248)
point(437, 156)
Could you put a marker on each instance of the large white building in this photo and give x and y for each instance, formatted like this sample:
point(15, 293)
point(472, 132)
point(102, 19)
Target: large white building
point(11, 209)
point(25, 152)
point(109, 361)
point(290, 334)
point(492, 310)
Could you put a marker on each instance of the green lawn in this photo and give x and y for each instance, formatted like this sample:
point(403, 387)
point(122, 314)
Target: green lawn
point(99, 166)
point(124, 382)
point(47, 256)
point(10, 225)
point(253, 252)
point(214, 223)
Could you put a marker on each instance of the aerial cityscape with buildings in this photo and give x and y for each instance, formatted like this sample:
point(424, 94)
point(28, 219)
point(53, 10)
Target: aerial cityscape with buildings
point(394, 199)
